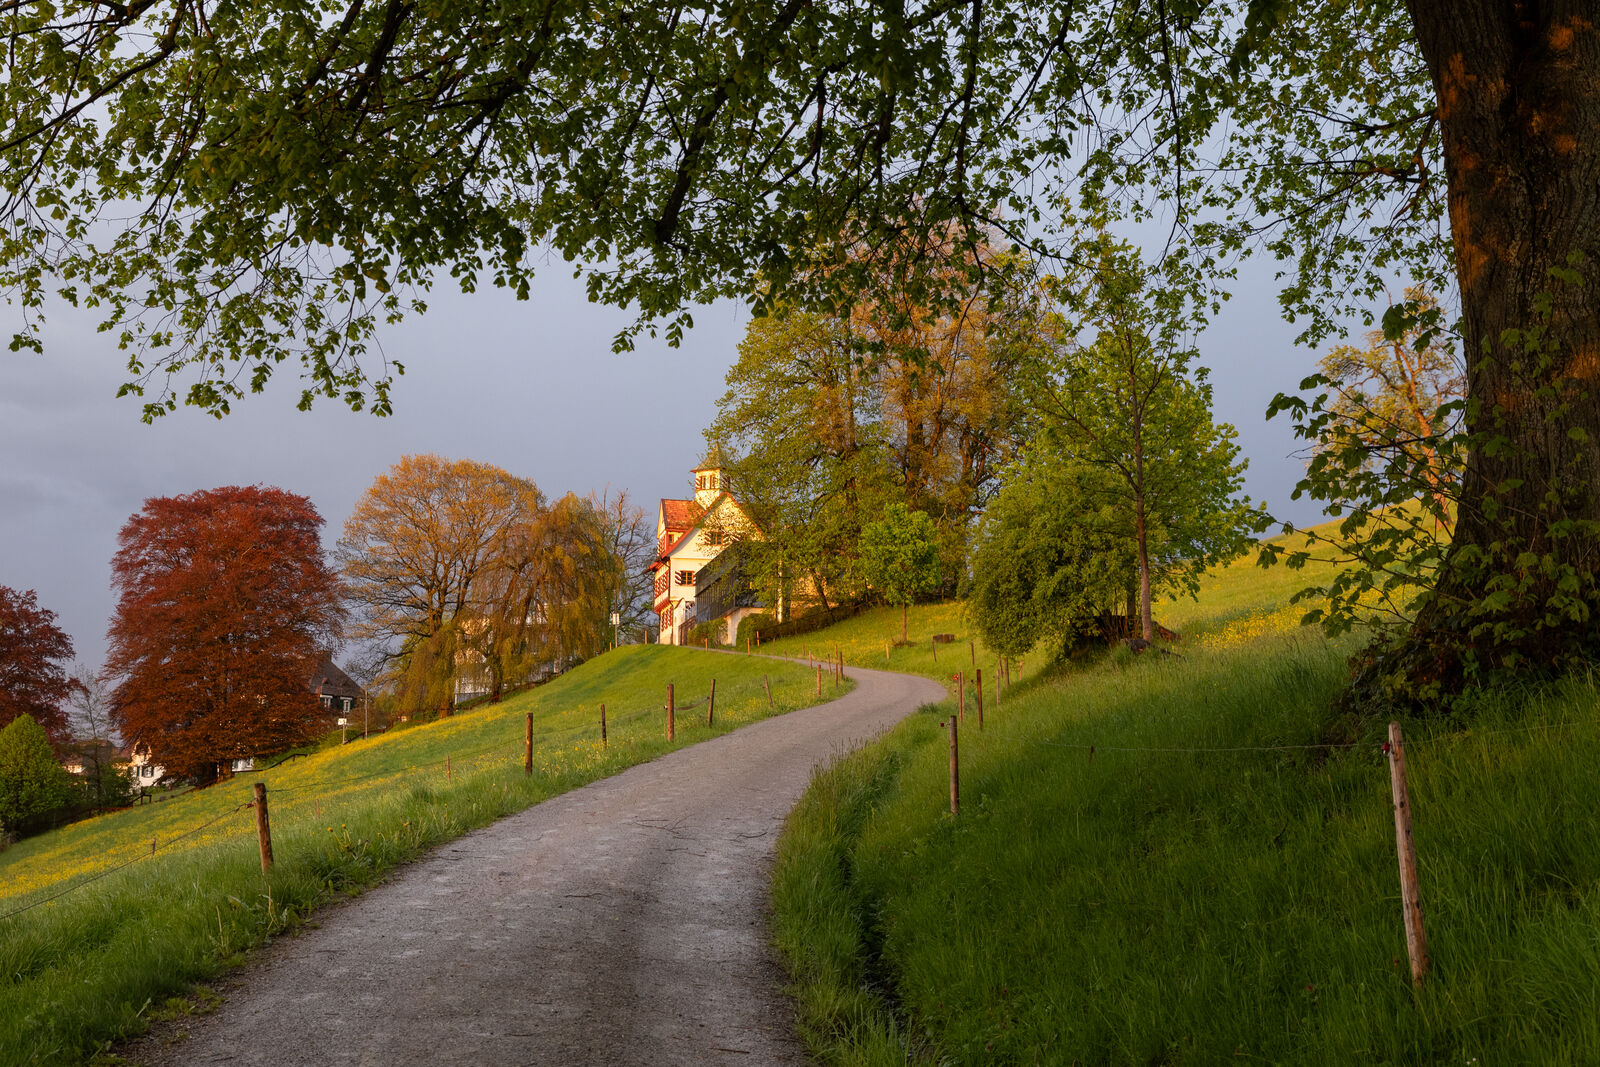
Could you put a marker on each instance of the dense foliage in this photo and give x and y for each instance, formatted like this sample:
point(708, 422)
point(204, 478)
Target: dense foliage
point(831, 417)
point(32, 783)
point(457, 566)
point(1052, 553)
point(900, 557)
point(301, 174)
point(33, 653)
point(224, 607)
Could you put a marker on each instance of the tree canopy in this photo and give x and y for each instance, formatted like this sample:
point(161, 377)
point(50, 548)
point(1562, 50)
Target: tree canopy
point(224, 607)
point(456, 564)
point(1051, 554)
point(900, 557)
point(32, 782)
point(33, 656)
point(1125, 400)
point(235, 187)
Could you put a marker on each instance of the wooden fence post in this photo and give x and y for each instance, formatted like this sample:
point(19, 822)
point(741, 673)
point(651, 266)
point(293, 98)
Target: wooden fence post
point(711, 702)
point(1410, 903)
point(603, 742)
point(955, 770)
point(997, 673)
point(934, 645)
point(961, 695)
point(672, 715)
point(819, 679)
point(263, 828)
point(527, 748)
point(972, 647)
point(977, 690)
point(886, 652)
point(766, 681)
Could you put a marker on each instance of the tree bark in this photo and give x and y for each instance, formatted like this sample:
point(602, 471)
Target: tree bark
point(1518, 87)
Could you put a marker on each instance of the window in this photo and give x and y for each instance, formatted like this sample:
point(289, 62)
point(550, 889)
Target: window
point(686, 577)
point(327, 701)
point(345, 704)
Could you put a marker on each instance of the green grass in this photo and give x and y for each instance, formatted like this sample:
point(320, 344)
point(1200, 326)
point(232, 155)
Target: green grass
point(872, 639)
point(1136, 904)
point(89, 966)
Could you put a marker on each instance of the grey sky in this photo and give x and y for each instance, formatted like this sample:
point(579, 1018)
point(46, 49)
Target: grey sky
point(532, 387)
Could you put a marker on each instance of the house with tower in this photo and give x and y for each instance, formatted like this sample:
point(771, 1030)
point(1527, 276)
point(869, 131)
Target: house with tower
point(690, 534)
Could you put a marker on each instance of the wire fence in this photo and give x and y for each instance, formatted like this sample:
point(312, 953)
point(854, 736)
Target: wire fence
point(471, 762)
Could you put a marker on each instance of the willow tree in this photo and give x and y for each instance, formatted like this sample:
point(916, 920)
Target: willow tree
point(236, 186)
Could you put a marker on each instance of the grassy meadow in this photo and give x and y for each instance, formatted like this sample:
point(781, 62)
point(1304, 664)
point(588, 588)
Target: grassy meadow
point(1157, 860)
point(96, 931)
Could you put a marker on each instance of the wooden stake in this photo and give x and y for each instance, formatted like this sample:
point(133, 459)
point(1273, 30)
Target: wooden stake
point(972, 647)
point(961, 695)
point(819, 679)
point(1410, 900)
point(527, 747)
point(955, 770)
point(768, 683)
point(935, 646)
point(886, 652)
point(263, 828)
point(603, 742)
point(977, 689)
point(997, 673)
point(672, 715)
point(711, 702)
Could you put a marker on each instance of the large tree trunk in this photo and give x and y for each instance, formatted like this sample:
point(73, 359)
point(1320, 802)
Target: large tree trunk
point(1518, 87)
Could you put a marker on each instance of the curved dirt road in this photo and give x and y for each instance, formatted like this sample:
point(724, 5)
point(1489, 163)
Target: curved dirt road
point(621, 923)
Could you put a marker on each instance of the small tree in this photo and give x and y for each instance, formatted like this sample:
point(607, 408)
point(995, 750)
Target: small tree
point(900, 557)
point(32, 781)
point(1051, 553)
point(1128, 403)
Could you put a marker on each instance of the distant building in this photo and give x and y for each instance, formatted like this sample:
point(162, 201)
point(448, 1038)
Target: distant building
point(690, 534)
point(339, 693)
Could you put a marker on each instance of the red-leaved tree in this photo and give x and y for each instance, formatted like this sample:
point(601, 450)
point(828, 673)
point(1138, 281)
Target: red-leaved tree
point(33, 651)
point(224, 601)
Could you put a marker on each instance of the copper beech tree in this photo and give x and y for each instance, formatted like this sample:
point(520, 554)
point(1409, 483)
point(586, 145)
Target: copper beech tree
point(224, 605)
point(32, 651)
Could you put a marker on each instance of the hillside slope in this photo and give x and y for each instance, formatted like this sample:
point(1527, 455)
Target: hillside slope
point(1158, 860)
point(102, 919)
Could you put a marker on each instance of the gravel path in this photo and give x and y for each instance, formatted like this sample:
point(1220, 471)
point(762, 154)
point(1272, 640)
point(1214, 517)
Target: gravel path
point(621, 923)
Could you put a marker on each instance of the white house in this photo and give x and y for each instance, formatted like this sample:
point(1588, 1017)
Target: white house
point(690, 534)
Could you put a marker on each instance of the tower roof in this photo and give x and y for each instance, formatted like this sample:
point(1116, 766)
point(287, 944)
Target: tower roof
point(711, 461)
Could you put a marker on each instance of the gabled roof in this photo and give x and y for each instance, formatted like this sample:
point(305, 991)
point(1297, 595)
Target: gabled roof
point(702, 514)
point(679, 515)
point(329, 680)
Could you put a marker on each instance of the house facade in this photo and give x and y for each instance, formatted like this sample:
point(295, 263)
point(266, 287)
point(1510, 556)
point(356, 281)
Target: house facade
point(690, 534)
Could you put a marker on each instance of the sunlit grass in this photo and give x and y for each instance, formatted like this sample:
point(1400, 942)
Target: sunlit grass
point(1147, 869)
point(84, 968)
